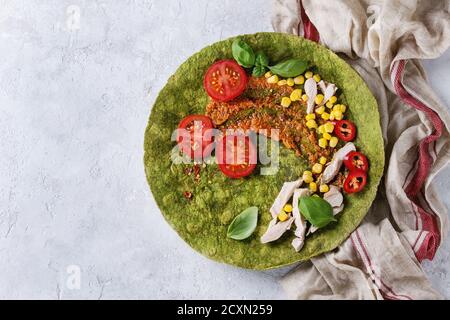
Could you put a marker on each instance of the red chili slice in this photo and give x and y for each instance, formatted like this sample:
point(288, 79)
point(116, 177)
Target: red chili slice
point(355, 160)
point(225, 80)
point(191, 136)
point(236, 156)
point(345, 130)
point(355, 181)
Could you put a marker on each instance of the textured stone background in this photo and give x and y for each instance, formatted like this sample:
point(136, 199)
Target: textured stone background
point(77, 79)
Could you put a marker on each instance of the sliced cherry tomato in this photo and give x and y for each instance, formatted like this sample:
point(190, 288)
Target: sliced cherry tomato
point(345, 130)
point(355, 181)
point(192, 136)
point(356, 160)
point(236, 156)
point(225, 80)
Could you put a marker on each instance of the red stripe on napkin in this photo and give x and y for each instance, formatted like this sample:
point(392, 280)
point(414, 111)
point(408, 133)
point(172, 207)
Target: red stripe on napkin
point(309, 30)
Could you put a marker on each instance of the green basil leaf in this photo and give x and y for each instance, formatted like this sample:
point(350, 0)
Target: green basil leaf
point(261, 59)
point(244, 224)
point(258, 70)
point(289, 68)
point(316, 210)
point(243, 53)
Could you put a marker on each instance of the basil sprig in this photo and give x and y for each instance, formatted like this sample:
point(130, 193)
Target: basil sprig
point(244, 224)
point(261, 64)
point(316, 210)
point(243, 53)
point(289, 68)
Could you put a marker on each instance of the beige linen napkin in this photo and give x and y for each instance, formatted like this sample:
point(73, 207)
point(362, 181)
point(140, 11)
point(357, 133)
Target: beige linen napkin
point(384, 41)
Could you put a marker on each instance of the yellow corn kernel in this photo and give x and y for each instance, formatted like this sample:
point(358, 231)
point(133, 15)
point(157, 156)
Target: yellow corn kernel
point(268, 74)
point(308, 74)
point(299, 80)
point(337, 107)
point(329, 127)
point(323, 142)
point(318, 99)
point(296, 95)
point(316, 78)
point(333, 142)
point(317, 168)
point(331, 116)
point(307, 173)
point(326, 135)
point(325, 116)
point(329, 105)
point(307, 178)
point(310, 116)
point(320, 110)
point(311, 124)
point(285, 102)
point(333, 99)
point(323, 160)
point(338, 115)
point(313, 187)
point(343, 108)
point(324, 188)
point(305, 97)
point(283, 216)
point(282, 82)
point(287, 208)
point(273, 79)
point(321, 129)
point(290, 82)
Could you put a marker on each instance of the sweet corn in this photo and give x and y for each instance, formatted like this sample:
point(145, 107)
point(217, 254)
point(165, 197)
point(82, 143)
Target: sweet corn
point(317, 168)
point(268, 74)
point(310, 116)
point(282, 82)
point(333, 99)
point(329, 127)
point(324, 188)
point(321, 129)
point(320, 110)
point(338, 115)
point(316, 78)
point(296, 94)
point(287, 208)
point(331, 116)
point(307, 177)
point(311, 124)
point(283, 216)
point(318, 99)
point(337, 107)
point(323, 142)
point(333, 142)
point(285, 102)
point(329, 105)
point(313, 187)
point(305, 97)
point(290, 82)
point(323, 160)
point(343, 108)
point(299, 80)
point(327, 136)
point(308, 74)
point(273, 79)
point(325, 116)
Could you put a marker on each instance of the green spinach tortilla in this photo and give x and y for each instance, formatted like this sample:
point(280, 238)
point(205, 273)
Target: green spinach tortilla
point(202, 221)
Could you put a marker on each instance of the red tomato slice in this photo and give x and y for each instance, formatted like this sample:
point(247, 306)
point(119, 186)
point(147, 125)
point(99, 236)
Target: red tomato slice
point(345, 130)
point(356, 160)
point(225, 80)
point(236, 156)
point(191, 135)
point(355, 181)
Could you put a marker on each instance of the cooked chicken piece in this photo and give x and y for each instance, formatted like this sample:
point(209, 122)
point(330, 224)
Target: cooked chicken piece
point(285, 194)
point(328, 90)
point(333, 168)
point(310, 87)
point(299, 220)
point(276, 229)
